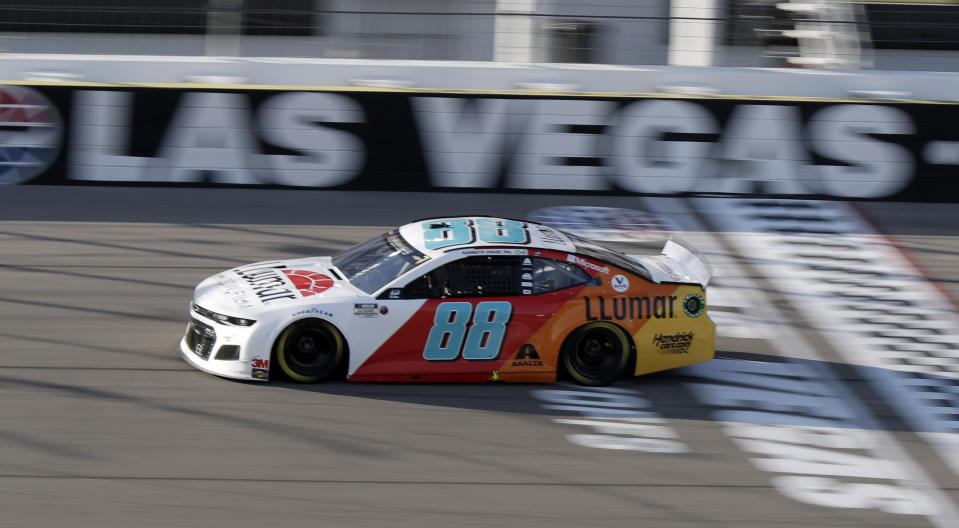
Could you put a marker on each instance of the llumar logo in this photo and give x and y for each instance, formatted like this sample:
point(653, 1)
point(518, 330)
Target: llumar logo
point(677, 343)
point(267, 282)
point(622, 307)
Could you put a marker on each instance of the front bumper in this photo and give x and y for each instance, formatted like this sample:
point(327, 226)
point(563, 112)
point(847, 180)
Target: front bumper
point(204, 357)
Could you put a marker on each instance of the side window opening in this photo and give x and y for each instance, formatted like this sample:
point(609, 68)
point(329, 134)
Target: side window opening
point(484, 276)
point(478, 277)
point(551, 275)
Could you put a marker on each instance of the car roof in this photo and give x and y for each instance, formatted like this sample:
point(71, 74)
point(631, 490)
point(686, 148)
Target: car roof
point(538, 236)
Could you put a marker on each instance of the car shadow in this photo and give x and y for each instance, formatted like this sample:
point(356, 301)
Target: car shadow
point(743, 387)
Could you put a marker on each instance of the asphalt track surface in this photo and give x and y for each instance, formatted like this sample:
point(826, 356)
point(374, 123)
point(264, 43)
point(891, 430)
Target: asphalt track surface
point(102, 424)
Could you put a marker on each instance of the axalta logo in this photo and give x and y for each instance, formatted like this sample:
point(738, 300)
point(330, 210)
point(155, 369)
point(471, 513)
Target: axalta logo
point(30, 134)
point(579, 261)
point(677, 343)
point(527, 357)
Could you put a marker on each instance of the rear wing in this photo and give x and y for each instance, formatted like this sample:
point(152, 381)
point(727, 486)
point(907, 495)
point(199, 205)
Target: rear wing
point(679, 262)
point(688, 261)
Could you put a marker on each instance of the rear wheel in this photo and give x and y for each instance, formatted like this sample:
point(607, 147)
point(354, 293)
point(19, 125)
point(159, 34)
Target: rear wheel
point(310, 351)
point(596, 354)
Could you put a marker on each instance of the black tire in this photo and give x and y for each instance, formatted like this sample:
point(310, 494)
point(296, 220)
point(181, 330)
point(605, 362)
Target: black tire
point(596, 354)
point(310, 351)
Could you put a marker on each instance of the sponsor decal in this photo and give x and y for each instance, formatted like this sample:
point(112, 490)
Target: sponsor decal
point(260, 363)
point(260, 374)
point(527, 276)
point(527, 357)
point(313, 311)
point(395, 293)
point(365, 309)
point(308, 282)
point(550, 236)
point(384, 310)
point(30, 134)
point(669, 271)
point(271, 282)
point(694, 304)
point(622, 307)
point(579, 261)
point(496, 252)
point(527, 262)
point(267, 282)
point(619, 283)
point(677, 343)
point(233, 288)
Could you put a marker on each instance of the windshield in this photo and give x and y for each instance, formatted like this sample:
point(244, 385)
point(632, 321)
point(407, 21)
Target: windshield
point(376, 262)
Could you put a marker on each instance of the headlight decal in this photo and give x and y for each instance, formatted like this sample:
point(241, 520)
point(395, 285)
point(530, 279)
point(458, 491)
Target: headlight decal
point(221, 318)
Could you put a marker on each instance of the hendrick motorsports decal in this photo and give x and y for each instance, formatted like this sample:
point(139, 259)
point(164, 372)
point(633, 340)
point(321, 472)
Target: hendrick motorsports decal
point(677, 343)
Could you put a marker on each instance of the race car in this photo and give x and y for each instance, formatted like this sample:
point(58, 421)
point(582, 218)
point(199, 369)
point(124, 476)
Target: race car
point(466, 299)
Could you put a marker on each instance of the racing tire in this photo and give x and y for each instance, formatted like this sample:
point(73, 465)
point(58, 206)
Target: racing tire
point(310, 351)
point(596, 354)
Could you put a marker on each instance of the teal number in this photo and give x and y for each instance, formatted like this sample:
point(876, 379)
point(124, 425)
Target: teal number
point(449, 328)
point(502, 231)
point(449, 232)
point(485, 338)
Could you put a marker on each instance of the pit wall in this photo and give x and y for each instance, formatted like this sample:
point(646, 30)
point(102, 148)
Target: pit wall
point(504, 140)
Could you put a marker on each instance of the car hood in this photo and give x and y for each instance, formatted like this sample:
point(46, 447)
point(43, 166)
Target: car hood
point(261, 286)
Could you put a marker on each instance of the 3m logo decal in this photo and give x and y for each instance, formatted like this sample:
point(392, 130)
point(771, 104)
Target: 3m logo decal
point(308, 282)
point(260, 363)
point(452, 335)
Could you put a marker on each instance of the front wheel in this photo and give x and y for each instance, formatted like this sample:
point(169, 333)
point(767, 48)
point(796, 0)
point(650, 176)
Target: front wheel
point(596, 354)
point(310, 351)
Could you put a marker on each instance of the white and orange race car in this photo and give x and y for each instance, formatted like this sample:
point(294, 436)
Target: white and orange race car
point(468, 299)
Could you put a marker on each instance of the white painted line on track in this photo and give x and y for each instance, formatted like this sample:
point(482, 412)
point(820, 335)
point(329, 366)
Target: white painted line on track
point(809, 451)
point(863, 295)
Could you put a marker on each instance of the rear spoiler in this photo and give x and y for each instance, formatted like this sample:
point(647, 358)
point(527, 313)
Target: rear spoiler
point(679, 262)
point(687, 261)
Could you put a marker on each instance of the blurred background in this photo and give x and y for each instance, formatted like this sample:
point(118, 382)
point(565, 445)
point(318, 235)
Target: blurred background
point(159, 142)
point(889, 35)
